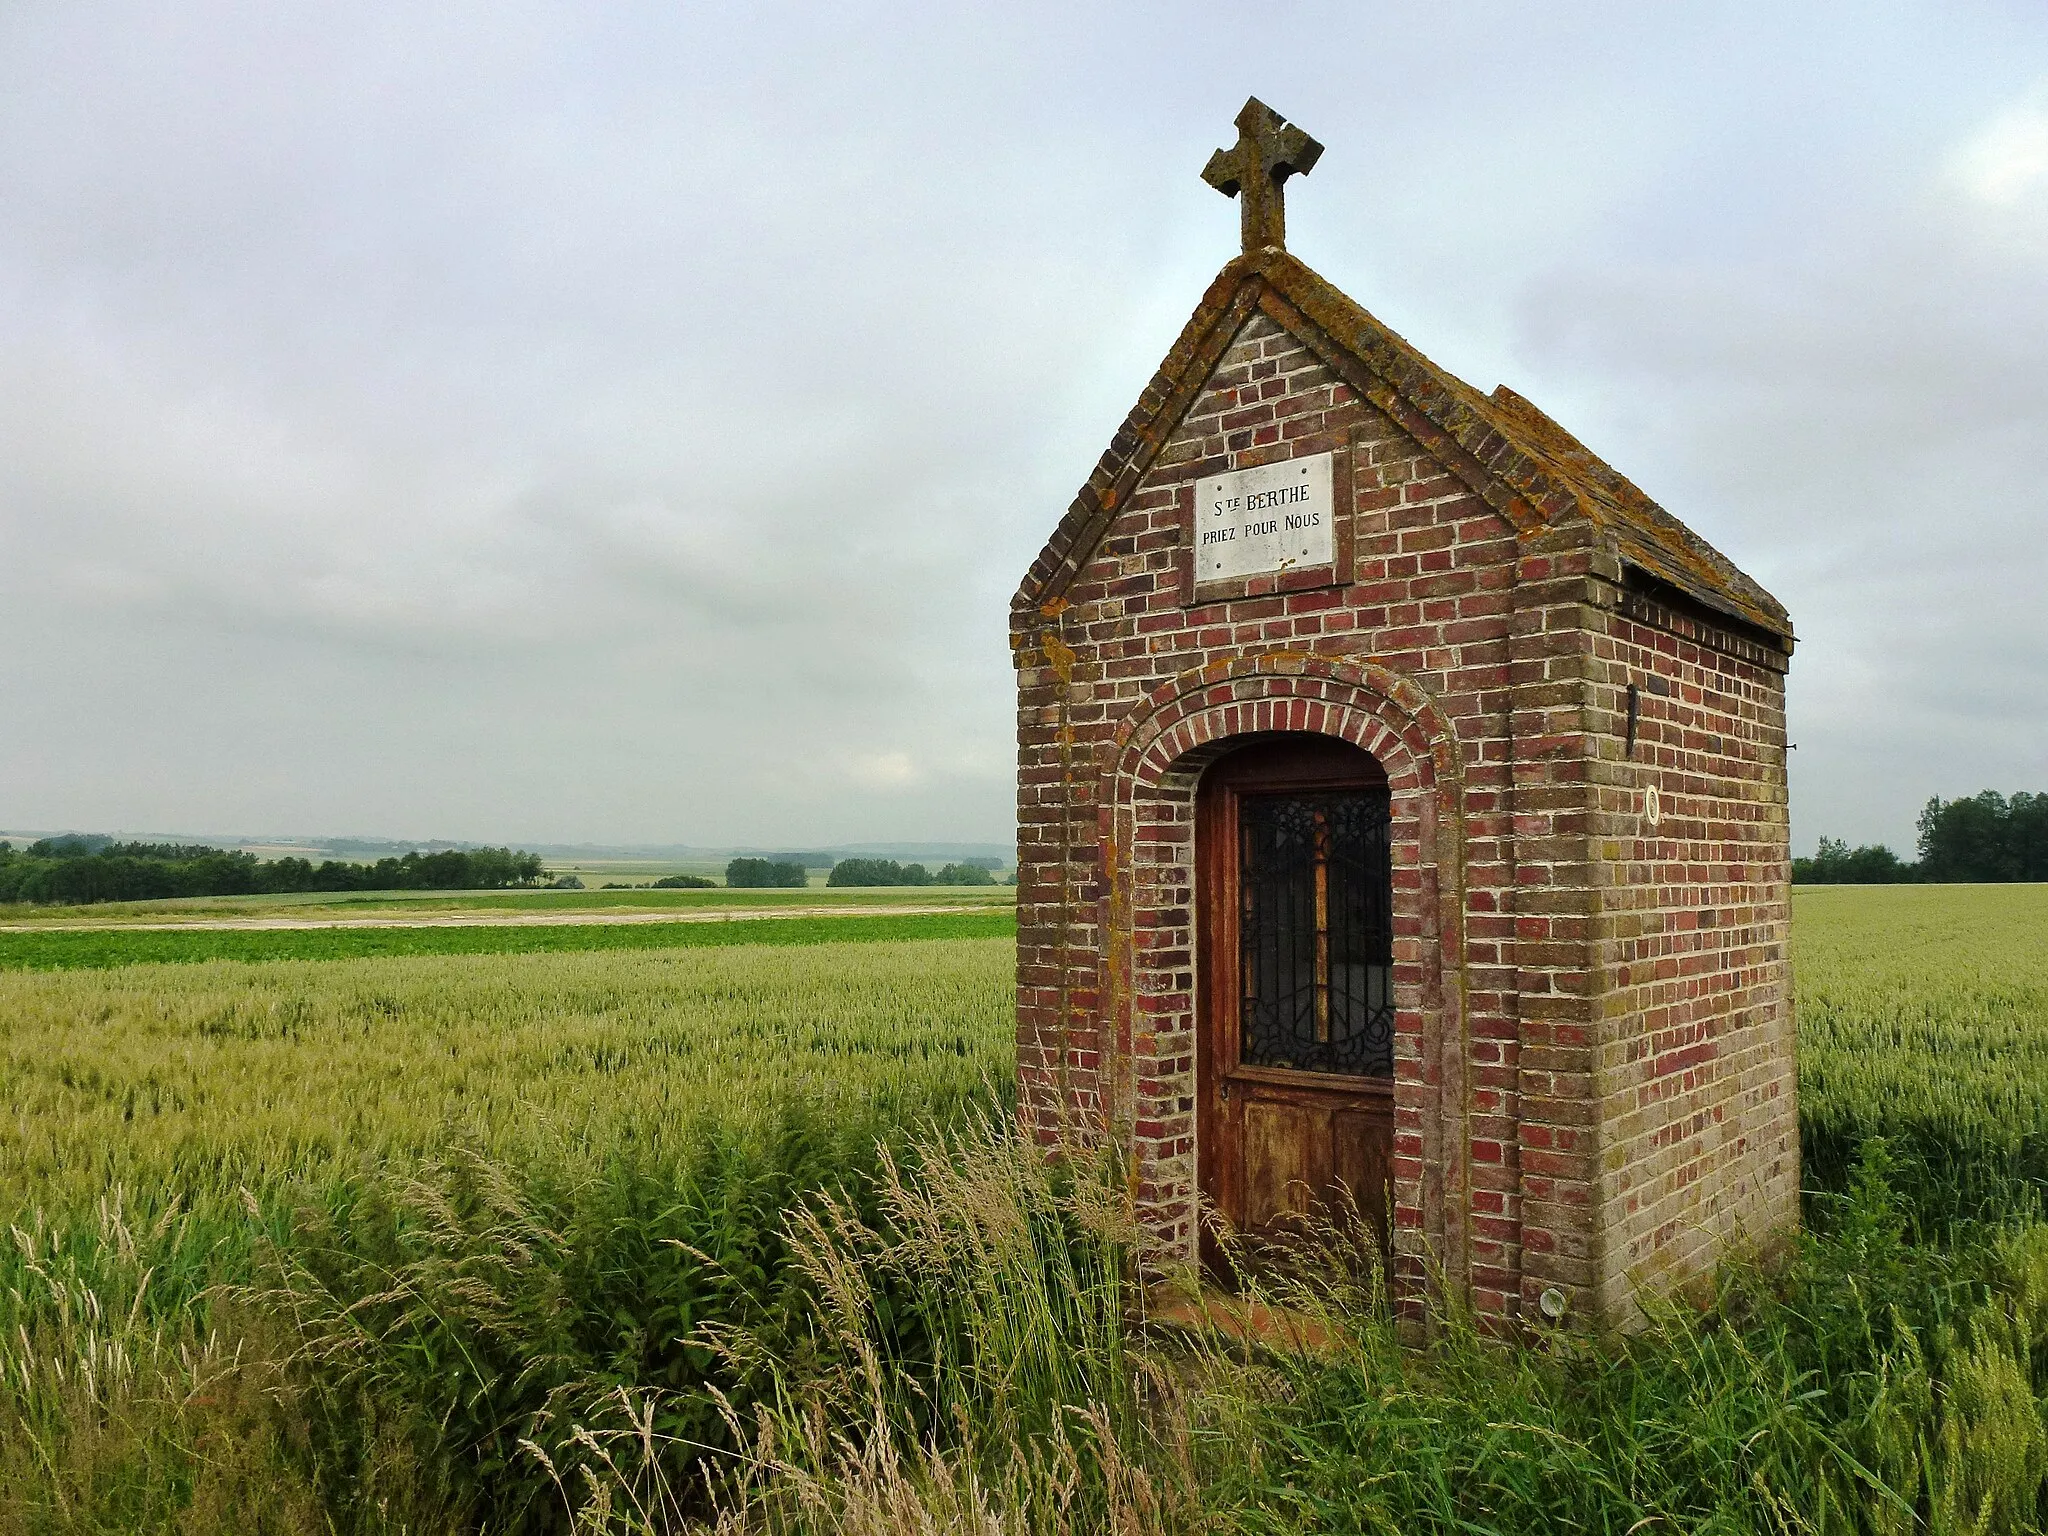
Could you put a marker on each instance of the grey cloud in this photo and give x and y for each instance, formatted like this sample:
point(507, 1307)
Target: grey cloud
point(628, 423)
point(1861, 419)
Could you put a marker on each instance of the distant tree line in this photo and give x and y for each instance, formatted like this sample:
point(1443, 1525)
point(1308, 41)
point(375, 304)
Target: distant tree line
point(765, 874)
point(1836, 863)
point(77, 871)
point(791, 870)
point(889, 872)
point(1986, 837)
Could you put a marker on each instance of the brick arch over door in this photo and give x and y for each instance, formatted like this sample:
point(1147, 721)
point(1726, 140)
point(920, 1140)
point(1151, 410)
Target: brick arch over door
point(1154, 766)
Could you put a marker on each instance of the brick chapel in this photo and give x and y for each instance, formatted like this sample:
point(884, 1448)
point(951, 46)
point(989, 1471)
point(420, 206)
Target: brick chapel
point(1402, 816)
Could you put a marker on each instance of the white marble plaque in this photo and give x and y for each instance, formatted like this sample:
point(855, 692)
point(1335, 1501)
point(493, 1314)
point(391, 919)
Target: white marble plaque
point(1273, 518)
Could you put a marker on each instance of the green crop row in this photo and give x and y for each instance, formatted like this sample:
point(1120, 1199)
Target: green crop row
point(404, 904)
point(103, 948)
point(196, 1081)
point(1923, 1019)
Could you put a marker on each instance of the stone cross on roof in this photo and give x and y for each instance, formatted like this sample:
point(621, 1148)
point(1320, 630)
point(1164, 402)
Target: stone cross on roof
point(1269, 149)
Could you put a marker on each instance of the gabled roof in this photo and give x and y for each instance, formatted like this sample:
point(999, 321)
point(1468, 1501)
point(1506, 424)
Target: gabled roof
point(1525, 465)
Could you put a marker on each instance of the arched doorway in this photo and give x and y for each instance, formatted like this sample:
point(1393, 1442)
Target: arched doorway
point(1295, 1030)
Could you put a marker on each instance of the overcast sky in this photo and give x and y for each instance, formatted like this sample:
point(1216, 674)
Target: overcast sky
point(627, 423)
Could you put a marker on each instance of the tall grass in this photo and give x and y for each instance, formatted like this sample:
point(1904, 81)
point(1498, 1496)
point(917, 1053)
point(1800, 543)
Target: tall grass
point(641, 1241)
point(475, 1315)
point(386, 1220)
point(972, 1363)
point(1869, 1386)
point(126, 1403)
point(967, 1349)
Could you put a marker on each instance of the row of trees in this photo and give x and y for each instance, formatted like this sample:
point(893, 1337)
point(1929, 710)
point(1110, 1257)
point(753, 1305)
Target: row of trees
point(889, 872)
point(83, 870)
point(766, 874)
point(1986, 837)
point(792, 870)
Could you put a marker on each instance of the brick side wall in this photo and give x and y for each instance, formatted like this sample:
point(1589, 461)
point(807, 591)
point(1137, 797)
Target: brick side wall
point(1478, 662)
point(1698, 1072)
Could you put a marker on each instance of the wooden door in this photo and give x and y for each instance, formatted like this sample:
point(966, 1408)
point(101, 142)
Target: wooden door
point(1295, 1047)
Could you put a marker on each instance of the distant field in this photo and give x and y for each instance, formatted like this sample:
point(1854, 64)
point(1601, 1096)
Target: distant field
point(192, 1081)
point(423, 903)
point(55, 948)
point(1923, 1018)
point(595, 872)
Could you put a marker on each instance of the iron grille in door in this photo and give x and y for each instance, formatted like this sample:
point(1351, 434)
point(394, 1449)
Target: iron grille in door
point(1316, 933)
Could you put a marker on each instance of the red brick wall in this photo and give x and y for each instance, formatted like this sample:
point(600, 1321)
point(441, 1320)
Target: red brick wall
point(1479, 665)
point(1698, 1068)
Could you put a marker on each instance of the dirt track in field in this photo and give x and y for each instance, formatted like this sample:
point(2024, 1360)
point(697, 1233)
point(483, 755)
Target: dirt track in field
point(488, 919)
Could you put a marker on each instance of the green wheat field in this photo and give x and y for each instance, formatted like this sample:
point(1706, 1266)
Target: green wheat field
point(721, 1226)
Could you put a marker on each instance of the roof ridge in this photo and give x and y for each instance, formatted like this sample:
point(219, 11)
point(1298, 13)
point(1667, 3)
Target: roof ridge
point(1505, 428)
point(1541, 470)
point(1554, 441)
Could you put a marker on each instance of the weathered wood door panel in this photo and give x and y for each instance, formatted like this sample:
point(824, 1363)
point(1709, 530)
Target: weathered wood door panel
point(1281, 1166)
point(1295, 1046)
